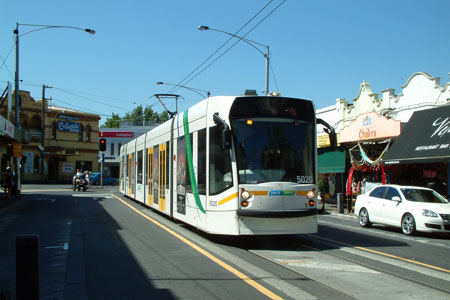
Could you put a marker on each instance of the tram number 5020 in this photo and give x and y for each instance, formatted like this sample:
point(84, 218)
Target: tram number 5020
point(304, 179)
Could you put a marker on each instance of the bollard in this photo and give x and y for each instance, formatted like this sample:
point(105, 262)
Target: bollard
point(340, 202)
point(27, 267)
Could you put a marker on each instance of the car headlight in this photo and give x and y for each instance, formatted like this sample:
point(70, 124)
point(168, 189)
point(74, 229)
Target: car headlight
point(429, 213)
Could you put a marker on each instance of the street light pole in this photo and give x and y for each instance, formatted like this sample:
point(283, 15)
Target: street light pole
point(42, 147)
point(251, 43)
point(17, 80)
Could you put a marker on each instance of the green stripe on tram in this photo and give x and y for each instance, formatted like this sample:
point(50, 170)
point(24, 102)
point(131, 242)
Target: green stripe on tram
point(189, 162)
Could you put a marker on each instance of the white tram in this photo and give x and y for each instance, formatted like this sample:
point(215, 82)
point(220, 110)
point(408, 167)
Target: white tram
point(230, 165)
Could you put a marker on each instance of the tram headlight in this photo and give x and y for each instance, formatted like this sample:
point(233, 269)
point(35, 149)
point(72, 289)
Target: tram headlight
point(245, 195)
point(310, 195)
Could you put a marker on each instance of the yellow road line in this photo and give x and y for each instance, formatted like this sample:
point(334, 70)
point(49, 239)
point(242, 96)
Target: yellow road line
point(218, 261)
point(385, 254)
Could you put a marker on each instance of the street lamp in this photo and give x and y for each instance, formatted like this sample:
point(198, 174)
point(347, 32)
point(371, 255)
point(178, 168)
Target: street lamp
point(16, 79)
point(17, 35)
point(251, 43)
point(186, 87)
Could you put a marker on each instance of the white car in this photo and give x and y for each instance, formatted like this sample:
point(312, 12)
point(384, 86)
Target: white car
point(320, 204)
point(411, 208)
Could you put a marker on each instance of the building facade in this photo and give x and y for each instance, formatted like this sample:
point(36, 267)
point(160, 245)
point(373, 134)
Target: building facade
point(56, 141)
point(115, 138)
point(368, 127)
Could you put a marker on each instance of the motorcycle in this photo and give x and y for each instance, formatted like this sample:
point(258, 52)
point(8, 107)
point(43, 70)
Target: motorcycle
point(80, 183)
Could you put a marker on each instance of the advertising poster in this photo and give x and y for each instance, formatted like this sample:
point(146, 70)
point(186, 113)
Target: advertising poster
point(155, 174)
point(181, 176)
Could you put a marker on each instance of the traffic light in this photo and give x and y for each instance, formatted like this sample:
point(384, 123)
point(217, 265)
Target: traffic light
point(23, 159)
point(102, 144)
point(9, 151)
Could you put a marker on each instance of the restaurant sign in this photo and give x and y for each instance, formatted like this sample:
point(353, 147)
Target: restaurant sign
point(370, 126)
point(68, 126)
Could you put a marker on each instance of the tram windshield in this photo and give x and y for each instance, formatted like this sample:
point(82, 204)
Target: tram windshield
point(274, 140)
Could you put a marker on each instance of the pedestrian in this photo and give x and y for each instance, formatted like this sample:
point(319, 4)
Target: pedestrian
point(7, 182)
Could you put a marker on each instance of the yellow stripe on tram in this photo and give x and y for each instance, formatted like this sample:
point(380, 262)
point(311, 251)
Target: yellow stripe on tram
point(260, 193)
point(231, 197)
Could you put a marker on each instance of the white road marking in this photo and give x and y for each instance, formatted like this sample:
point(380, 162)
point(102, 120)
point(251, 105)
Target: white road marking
point(92, 195)
point(326, 266)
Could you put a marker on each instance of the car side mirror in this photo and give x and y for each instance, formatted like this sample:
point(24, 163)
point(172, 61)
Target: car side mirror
point(396, 198)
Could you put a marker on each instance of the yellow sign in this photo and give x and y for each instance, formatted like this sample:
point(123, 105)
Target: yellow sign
point(17, 149)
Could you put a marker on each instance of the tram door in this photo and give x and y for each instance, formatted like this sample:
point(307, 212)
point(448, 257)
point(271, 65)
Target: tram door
point(150, 176)
point(162, 176)
point(129, 176)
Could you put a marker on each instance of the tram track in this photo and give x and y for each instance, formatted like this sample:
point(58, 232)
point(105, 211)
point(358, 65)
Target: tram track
point(421, 274)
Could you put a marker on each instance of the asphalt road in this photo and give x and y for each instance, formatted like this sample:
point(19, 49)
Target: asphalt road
point(100, 245)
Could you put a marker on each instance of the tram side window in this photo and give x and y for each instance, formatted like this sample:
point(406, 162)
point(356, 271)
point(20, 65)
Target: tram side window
point(220, 176)
point(201, 162)
point(140, 165)
point(188, 176)
point(167, 166)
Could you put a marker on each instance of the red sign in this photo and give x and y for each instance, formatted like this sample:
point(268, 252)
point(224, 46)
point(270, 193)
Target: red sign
point(116, 134)
point(429, 173)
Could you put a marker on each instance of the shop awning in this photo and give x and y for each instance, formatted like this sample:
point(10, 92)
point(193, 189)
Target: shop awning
point(426, 138)
point(332, 162)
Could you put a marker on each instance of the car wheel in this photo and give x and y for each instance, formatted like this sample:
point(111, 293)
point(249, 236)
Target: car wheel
point(364, 220)
point(113, 183)
point(408, 224)
point(96, 183)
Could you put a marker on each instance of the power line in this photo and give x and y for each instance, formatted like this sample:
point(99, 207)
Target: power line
point(262, 20)
point(90, 99)
point(183, 82)
point(79, 107)
point(4, 62)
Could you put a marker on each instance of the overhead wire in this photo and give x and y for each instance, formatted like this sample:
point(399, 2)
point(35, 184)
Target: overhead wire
point(4, 62)
point(183, 81)
point(215, 60)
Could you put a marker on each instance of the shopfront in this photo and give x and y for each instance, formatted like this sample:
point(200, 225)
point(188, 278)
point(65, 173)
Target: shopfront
point(367, 139)
point(421, 154)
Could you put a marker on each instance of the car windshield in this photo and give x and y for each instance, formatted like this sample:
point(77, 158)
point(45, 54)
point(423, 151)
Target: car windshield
point(274, 149)
point(420, 195)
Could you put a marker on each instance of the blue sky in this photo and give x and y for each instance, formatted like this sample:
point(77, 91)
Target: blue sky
point(320, 50)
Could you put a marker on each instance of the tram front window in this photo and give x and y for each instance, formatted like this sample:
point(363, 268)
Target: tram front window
point(273, 149)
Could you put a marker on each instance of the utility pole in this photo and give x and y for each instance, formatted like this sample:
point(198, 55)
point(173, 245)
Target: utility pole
point(42, 147)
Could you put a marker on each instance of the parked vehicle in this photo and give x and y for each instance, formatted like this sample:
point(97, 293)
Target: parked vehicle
point(411, 208)
point(107, 180)
point(320, 203)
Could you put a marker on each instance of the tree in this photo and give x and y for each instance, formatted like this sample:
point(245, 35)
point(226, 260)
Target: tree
point(112, 122)
point(138, 114)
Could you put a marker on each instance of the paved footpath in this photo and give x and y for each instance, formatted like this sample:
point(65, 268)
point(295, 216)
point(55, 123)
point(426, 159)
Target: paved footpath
point(54, 225)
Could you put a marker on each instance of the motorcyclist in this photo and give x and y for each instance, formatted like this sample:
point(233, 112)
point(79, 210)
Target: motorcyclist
point(77, 178)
